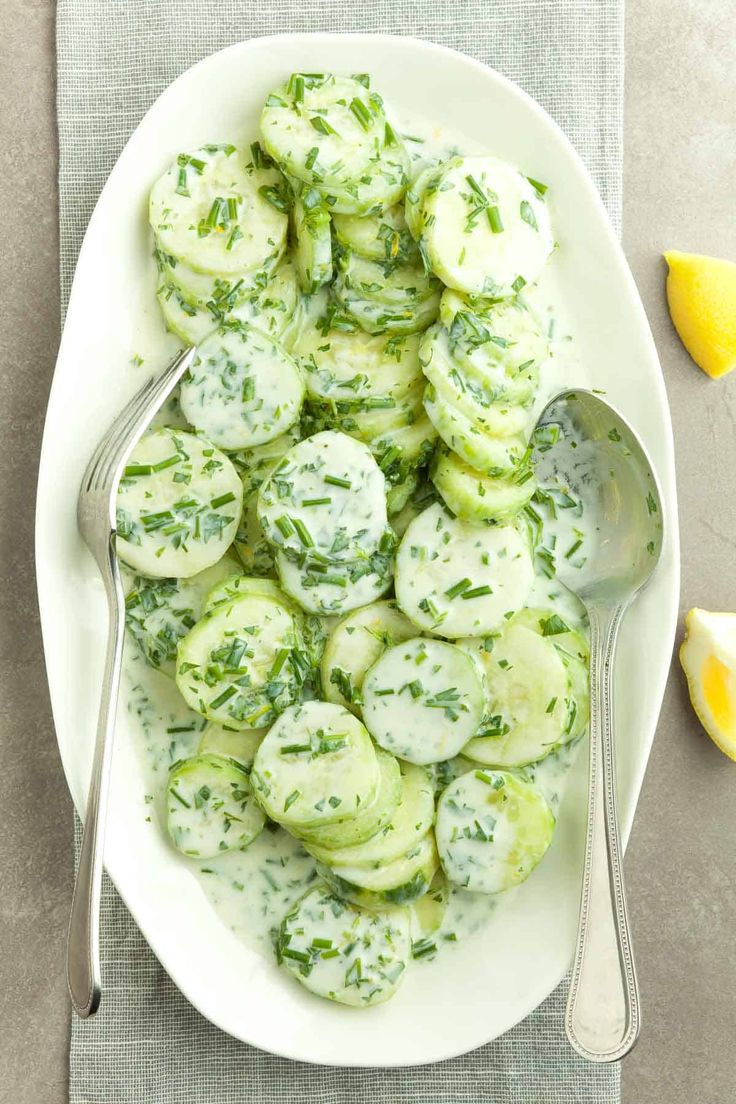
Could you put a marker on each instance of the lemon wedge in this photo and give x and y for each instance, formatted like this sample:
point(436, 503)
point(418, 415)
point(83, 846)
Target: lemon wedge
point(708, 658)
point(701, 293)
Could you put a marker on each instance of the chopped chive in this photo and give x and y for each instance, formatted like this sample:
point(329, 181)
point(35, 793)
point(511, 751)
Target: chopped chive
point(537, 185)
point(477, 592)
point(336, 481)
point(316, 501)
point(494, 219)
point(361, 113)
point(458, 588)
point(222, 500)
point(303, 533)
point(285, 526)
point(321, 125)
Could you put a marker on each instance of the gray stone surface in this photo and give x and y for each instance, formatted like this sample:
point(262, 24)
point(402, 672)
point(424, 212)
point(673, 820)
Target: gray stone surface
point(679, 193)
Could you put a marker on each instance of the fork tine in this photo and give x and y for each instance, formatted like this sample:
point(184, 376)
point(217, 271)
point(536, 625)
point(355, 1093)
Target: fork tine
point(90, 479)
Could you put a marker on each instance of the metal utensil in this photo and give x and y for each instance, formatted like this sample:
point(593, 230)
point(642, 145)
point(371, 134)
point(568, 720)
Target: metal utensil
point(96, 508)
point(585, 447)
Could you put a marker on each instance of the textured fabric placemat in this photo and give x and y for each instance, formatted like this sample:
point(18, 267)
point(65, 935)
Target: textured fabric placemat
point(147, 1045)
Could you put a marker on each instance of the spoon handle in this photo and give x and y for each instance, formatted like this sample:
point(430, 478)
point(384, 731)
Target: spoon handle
point(603, 1014)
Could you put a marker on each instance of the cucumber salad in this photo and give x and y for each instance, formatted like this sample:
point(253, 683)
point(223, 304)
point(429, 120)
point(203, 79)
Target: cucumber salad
point(350, 660)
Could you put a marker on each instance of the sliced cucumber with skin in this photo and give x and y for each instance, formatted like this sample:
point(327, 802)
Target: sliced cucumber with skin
point(236, 585)
point(341, 953)
point(477, 497)
point(490, 455)
point(486, 229)
point(323, 129)
point(492, 830)
point(271, 309)
point(394, 283)
point(423, 700)
point(414, 209)
point(255, 464)
point(343, 587)
point(200, 288)
point(326, 498)
point(573, 649)
point(159, 612)
point(398, 494)
point(191, 324)
point(531, 710)
point(211, 210)
point(372, 819)
point(424, 496)
point(354, 366)
point(372, 418)
point(412, 819)
point(243, 663)
point(429, 911)
point(457, 579)
point(355, 644)
point(383, 237)
point(393, 885)
point(401, 451)
point(210, 807)
point(380, 187)
point(501, 344)
point(242, 746)
point(250, 545)
point(453, 385)
point(378, 317)
point(178, 505)
point(316, 766)
point(491, 373)
point(243, 389)
point(313, 253)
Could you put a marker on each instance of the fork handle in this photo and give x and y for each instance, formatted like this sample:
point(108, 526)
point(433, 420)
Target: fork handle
point(83, 944)
point(603, 1013)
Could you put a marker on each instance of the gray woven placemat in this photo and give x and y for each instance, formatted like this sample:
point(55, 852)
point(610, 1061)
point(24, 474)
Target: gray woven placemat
point(147, 1045)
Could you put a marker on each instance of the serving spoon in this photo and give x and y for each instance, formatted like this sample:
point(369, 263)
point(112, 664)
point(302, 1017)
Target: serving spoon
point(585, 448)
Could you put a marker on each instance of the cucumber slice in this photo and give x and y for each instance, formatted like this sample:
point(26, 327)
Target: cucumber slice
point(355, 644)
point(531, 710)
point(382, 237)
point(380, 187)
point(502, 345)
point(492, 829)
point(200, 288)
point(486, 230)
point(498, 373)
point(178, 505)
point(313, 254)
point(429, 911)
point(243, 663)
point(271, 309)
point(326, 498)
point(373, 819)
point(400, 451)
point(453, 385)
point(341, 953)
point(159, 612)
point(397, 284)
point(496, 456)
point(255, 464)
point(423, 700)
point(477, 497)
point(391, 885)
point(250, 545)
point(243, 389)
point(420, 499)
point(236, 585)
point(210, 807)
point(323, 129)
point(412, 819)
point(573, 649)
point(414, 203)
point(456, 579)
point(316, 766)
point(398, 494)
point(378, 317)
point(189, 323)
point(241, 746)
point(372, 418)
point(211, 210)
point(352, 367)
point(343, 587)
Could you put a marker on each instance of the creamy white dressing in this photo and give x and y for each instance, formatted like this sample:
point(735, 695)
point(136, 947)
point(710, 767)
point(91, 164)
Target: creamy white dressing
point(251, 890)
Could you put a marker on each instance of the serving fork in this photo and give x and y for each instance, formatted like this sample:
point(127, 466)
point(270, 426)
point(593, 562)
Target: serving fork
point(96, 518)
